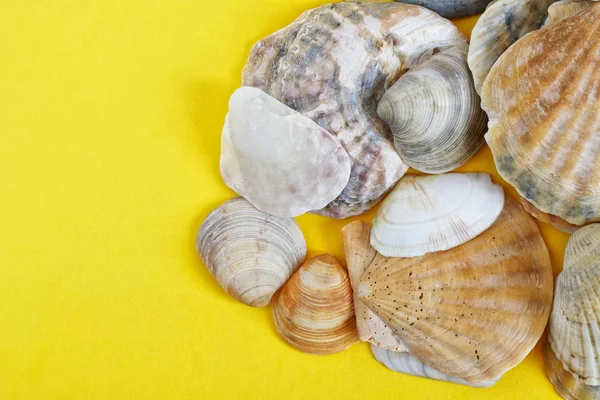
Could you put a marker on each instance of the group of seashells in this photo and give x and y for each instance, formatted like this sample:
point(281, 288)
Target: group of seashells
point(453, 280)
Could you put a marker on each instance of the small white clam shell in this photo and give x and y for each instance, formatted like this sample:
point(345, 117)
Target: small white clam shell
point(250, 253)
point(406, 363)
point(432, 213)
point(434, 113)
point(278, 159)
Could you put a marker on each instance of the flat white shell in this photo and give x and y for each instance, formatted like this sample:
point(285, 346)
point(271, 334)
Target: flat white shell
point(407, 363)
point(432, 213)
point(278, 159)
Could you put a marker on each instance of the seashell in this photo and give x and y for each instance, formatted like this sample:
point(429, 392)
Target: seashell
point(250, 253)
point(502, 24)
point(556, 222)
point(472, 312)
point(431, 213)
point(434, 113)
point(406, 363)
point(279, 160)
point(574, 334)
point(568, 386)
point(540, 97)
point(314, 311)
point(333, 64)
point(565, 9)
point(359, 255)
point(452, 8)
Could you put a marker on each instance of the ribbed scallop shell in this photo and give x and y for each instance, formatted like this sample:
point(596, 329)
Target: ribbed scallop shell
point(333, 64)
point(556, 222)
point(574, 333)
point(406, 363)
point(452, 8)
point(545, 115)
point(359, 255)
point(474, 311)
point(432, 213)
point(502, 24)
point(250, 253)
point(314, 311)
point(565, 9)
point(278, 159)
point(434, 113)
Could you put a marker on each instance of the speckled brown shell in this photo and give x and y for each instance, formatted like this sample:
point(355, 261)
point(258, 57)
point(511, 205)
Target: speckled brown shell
point(541, 98)
point(314, 311)
point(474, 311)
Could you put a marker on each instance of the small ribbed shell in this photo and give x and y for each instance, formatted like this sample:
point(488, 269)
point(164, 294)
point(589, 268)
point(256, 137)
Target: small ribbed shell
point(314, 311)
point(452, 8)
point(545, 115)
point(432, 213)
point(568, 386)
point(565, 9)
point(434, 113)
point(250, 253)
point(574, 332)
point(406, 363)
point(359, 255)
point(474, 311)
point(502, 24)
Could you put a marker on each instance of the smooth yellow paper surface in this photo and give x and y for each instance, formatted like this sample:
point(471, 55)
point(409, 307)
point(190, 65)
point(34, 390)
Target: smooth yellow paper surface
point(110, 121)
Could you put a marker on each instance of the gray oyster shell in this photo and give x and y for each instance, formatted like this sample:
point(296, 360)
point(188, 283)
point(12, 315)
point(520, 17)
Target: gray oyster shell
point(452, 8)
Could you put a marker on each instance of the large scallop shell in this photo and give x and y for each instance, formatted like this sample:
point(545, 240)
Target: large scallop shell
point(359, 255)
point(502, 24)
point(314, 311)
point(574, 333)
point(250, 253)
point(565, 9)
point(544, 115)
point(567, 385)
point(333, 64)
point(434, 113)
point(452, 8)
point(406, 363)
point(432, 213)
point(278, 159)
point(474, 311)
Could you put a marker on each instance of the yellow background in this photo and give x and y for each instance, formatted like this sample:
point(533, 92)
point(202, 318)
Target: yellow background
point(110, 119)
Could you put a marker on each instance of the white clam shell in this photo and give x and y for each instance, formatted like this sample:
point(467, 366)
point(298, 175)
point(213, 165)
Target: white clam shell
point(279, 160)
point(406, 363)
point(434, 113)
point(250, 253)
point(574, 332)
point(432, 213)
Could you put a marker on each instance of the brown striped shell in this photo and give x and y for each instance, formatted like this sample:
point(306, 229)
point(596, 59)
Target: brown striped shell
point(474, 311)
point(314, 311)
point(541, 99)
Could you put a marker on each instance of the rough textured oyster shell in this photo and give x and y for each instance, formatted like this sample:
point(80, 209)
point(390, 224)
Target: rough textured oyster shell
point(333, 64)
point(434, 113)
point(574, 333)
point(452, 8)
point(431, 213)
point(541, 100)
point(314, 311)
point(474, 311)
point(278, 159)
point(250, 253)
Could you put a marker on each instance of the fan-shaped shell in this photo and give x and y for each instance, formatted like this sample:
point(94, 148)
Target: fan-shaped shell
point(432, 213)
point(541, 100)
point(502, 24)
point(314, 311)
point(474, 311)
point(250, 253)
point(359, 255)
point(567, 385)
point(279, 160)
point(574, 333)
point(565, 9)
point(406, 363)
point(434, 113)
point(333, 64)
point(452, 8)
